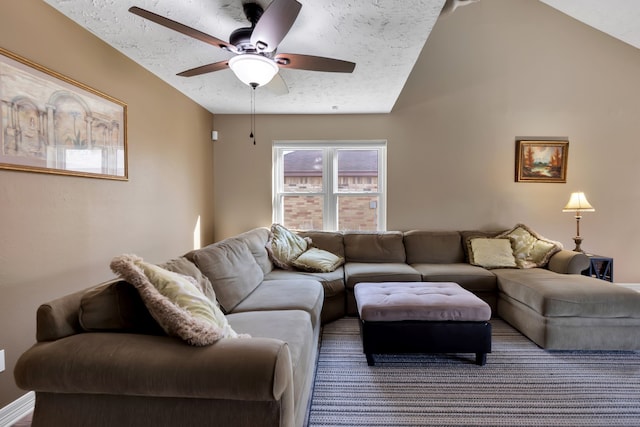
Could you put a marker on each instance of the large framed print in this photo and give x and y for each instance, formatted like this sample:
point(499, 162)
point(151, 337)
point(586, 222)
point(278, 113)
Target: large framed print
point(50, 123)
point(541, 161)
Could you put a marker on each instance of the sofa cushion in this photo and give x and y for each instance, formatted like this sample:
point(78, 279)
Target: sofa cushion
point(306, 295)
point(356, 272)
point(116, 306)
point(529, 248)
point(174, 301)
point(568, 295)
point(336, 276)
point(332, 283)
point(470, 277)
point(433, 247)
point(491, 252)
point(284, 246)
point(294, 328)
point(317, 260)
point(331, 241)
point(383, 247)
point(231, 268)
point(256, 240)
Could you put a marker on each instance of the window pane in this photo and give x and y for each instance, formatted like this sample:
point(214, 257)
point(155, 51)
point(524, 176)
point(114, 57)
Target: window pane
point(358, 213)
point(303, 212)
point(357, 171)
point(303, 171)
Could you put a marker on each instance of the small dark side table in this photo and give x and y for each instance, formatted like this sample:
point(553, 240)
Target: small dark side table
point(600, 267)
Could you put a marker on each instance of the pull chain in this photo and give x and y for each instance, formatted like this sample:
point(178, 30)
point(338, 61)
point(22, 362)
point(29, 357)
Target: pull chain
point(253, 112)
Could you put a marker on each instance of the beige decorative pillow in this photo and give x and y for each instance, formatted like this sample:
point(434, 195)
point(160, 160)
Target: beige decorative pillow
point(529, 248)
point(182, 265)
point(472, 234)
point(175, 302)
point(491, 252)
point(285, 246)
point(318, 260)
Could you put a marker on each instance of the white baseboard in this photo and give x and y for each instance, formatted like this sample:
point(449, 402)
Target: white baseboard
point(17, 409)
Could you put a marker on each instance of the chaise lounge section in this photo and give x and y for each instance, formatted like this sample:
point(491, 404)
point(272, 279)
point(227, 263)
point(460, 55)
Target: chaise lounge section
point(578, 314)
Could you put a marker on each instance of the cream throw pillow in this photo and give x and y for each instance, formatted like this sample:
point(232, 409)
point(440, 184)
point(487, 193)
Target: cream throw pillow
point(285, 246)
point(175, 302)
point(318, 261)
point(529, 248)
point(491, 253)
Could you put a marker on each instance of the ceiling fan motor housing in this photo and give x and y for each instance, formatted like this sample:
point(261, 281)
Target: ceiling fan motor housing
point(241, 38)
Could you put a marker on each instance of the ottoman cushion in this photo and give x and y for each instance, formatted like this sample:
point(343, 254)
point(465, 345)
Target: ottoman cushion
point(426, 301)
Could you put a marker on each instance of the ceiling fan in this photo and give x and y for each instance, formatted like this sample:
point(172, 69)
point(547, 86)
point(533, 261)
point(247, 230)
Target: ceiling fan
point(256, 61)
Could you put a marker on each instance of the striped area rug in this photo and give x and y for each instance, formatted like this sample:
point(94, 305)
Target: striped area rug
point(521, 385)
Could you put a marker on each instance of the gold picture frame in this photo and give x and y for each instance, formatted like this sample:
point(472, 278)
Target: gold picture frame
point(541, 160)
point(50, 123)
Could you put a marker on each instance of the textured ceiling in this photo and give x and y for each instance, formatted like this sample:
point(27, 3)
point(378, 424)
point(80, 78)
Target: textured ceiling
point(383, 37)
point(618, 18)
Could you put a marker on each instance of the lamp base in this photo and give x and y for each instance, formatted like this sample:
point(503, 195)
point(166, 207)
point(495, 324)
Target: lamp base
point(578, 241)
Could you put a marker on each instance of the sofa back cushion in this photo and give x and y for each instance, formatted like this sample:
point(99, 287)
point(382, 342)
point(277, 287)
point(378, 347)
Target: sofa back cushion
point(433, 247)
point(385, 247)
point(330, 241)
point(230, 266)
point(116, 306)
point(256, 240)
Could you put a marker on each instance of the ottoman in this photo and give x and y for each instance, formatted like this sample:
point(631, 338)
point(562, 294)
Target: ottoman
point(422, 317)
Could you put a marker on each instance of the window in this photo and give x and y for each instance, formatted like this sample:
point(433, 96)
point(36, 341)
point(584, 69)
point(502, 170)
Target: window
point(330, 185)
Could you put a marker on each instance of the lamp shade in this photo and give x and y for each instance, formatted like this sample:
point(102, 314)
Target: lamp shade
point(578, 203)
point(253, 69)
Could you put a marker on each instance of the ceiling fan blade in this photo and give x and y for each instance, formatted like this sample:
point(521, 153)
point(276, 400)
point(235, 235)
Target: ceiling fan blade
point(203, 69)
point(277, 86)
point(313, 63)
point(181, 28)
point(274, 24)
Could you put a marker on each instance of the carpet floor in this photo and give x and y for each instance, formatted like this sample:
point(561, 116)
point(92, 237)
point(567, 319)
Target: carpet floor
point(521, 385)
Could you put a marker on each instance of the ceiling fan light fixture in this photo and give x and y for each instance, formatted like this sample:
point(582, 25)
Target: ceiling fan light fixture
point(253, 69)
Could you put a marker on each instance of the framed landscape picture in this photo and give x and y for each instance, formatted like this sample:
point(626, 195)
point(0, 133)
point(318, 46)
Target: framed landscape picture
point(50, 123)
point(541, 161)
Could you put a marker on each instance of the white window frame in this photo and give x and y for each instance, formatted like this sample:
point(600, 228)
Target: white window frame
point(330, 178)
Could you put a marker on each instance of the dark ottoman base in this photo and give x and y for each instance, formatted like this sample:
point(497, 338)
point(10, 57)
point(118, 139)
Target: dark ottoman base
point(422, 317)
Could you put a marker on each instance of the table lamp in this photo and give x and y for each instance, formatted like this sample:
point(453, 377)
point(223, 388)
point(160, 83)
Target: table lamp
point(578, 203)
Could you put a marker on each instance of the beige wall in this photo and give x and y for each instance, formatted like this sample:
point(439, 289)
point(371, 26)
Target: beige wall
point(58, 233)
point(494, 70)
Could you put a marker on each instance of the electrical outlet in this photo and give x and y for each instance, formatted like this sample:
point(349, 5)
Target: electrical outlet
point(1, 360)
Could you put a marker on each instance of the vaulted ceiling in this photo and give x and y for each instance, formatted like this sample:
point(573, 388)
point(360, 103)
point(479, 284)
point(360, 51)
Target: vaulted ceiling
point(383, 37)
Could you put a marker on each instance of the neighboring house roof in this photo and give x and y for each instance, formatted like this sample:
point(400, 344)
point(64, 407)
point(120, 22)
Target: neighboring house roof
point(350, 163)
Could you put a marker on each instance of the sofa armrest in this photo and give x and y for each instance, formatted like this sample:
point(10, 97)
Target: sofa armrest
point(568, 262)
point(256, 369)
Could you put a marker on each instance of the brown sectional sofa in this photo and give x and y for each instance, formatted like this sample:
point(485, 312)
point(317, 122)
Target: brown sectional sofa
point(132, 375)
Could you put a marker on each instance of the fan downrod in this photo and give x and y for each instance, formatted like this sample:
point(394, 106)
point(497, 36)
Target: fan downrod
point(241, 37)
